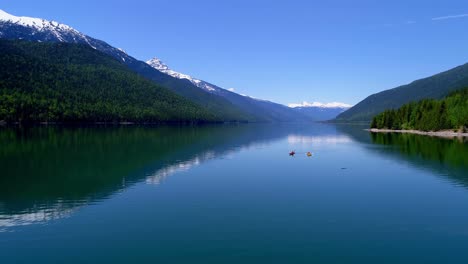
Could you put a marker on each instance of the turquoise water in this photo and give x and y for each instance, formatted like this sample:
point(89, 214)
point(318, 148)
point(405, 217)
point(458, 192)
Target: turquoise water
point(231, 194)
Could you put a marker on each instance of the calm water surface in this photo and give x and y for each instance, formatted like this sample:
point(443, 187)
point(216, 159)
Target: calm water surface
point(231, 194)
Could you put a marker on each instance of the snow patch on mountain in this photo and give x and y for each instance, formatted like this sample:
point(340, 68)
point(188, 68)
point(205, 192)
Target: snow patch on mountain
point(38, 29)
point(60, 32)
point(162, 67)
point(37, 23)
point(320, 105)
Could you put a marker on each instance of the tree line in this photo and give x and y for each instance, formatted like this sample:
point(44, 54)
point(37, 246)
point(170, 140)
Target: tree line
point(450, 112)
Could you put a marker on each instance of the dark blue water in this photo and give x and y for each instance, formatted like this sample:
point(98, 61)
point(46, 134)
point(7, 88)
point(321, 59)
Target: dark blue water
point(231, 194)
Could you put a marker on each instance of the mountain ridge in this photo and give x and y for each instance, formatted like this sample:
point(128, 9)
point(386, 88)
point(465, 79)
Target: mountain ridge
point(433, 87)
point(226, 104)
point(13, 27)
point(261, 110)
point(69, 83)
point(162, 67)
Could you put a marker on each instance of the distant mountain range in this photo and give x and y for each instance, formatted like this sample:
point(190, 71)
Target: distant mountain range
point(262, 110)
point(223, 104)
point(434, 87)
point(319, 111)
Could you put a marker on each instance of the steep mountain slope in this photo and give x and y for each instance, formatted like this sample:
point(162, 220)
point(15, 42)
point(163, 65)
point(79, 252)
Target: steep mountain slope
point(260, 110)
point(434, 87)
point(75, 83)
point(40, 30)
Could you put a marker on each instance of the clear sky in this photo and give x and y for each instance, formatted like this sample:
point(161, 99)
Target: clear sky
point(285, 51)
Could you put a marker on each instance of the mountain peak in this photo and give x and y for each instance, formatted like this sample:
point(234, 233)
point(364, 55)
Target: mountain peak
point(162, 67)
point(158, 64)
point(36, 23)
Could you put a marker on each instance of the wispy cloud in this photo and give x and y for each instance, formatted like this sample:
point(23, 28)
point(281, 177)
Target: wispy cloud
point(411, 22)
point(449, 17)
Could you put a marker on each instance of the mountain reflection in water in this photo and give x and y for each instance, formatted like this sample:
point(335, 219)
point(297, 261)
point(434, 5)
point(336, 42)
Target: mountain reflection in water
point(49, 172)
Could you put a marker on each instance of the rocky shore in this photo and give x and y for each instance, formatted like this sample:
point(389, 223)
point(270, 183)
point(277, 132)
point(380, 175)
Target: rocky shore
point(443, 133)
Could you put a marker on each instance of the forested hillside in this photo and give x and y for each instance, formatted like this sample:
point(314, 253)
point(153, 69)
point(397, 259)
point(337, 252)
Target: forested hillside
point(60, 82)
point(427, 115)
point(435, 87)
point(53, 32)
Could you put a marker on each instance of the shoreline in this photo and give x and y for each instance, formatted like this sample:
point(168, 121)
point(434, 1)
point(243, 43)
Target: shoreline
point(120, 123)
point(443, 133)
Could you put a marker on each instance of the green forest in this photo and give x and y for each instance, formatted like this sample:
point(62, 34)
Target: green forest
point(428, 114)
point(433, 87)
point(60, 82)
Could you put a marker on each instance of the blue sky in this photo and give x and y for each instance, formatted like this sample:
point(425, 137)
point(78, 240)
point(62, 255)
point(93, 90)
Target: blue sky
point(288, 51)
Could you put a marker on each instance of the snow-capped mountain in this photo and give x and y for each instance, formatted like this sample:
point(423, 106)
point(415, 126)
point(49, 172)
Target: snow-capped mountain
point(40, 24)
point(211, 88)
point(41, 30)
point(316, 111)
point(263, 110)
point(320, 111)
point(230, 105)
point(162, 67)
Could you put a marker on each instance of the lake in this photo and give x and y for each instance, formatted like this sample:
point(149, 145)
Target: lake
point(231, 194)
